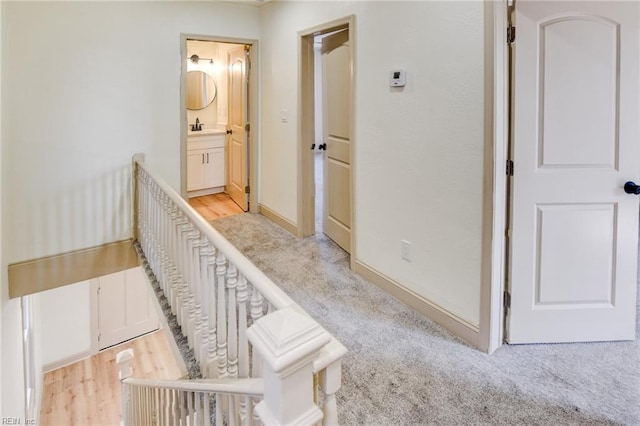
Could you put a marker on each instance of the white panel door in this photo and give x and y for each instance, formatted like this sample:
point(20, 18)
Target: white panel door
point(238, 142)
point(336, 83)
point(576, 135)
point(125, 307)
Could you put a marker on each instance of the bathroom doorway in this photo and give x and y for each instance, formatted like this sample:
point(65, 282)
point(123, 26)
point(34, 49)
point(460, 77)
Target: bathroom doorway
point(218, 88)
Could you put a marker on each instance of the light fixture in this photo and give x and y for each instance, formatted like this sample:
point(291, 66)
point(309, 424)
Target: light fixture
point(195, 59)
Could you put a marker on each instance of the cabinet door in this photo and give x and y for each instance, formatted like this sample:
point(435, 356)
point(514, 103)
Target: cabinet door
point(195, 170)
point(214, 168)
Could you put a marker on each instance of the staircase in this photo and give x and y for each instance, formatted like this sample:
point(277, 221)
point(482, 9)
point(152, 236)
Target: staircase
point(262, 358)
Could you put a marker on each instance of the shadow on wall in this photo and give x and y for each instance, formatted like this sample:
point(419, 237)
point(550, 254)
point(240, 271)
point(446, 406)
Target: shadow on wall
point(94, 212)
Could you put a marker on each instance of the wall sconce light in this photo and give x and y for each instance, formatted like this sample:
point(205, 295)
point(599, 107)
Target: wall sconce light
point(195, 59)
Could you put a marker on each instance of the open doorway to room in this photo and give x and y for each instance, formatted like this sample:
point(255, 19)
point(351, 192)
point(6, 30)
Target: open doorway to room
point(217, 94)
point(326, 190)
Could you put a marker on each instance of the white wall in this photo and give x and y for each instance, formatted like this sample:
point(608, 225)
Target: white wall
point(66, 327)
point(205, 49)
point(91, 84)
point(85, 85)
point(419, 150)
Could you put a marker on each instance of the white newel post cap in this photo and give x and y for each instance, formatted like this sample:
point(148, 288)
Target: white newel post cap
point(123, 360)
point(288, 341)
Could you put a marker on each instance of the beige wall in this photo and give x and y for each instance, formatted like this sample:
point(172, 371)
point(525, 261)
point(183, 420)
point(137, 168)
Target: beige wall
point(209, 115)
point(85, 85)
point(419, 151)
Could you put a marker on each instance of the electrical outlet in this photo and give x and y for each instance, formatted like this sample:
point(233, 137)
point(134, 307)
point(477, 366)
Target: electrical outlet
point(284, 116)
point(405, 250)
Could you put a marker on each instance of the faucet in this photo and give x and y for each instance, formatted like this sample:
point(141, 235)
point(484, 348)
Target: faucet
point(196, 127)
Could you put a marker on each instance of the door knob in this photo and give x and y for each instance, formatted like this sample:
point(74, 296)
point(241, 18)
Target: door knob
point(313, 146)
point(631, 188)
point(322, 146)
point(229, 132)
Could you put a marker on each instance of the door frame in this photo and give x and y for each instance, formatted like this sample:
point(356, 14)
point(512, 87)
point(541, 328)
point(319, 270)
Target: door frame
point(495, 191)
point(252, 136)
point(306, 126)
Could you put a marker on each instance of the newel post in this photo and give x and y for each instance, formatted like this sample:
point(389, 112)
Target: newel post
point(288, 342)
point(123, 361)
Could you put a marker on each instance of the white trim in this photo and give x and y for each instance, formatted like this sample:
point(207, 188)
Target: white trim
point(54, 365)
point(493, 330)
point(450, 321)
point(207, 191)
point(279, 220)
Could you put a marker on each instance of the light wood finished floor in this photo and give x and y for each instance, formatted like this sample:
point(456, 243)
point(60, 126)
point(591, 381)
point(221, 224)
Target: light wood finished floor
point(215, 206)
point(88, 392)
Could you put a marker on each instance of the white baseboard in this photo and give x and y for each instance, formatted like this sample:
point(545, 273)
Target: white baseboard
point(278, 219)
point(67, 360)
point(456, 325)
point(207, 191)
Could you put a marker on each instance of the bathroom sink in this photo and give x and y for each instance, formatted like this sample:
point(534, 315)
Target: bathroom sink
point(207, 132)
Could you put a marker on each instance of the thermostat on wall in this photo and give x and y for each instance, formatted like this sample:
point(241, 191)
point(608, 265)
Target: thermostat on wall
point(398, 78)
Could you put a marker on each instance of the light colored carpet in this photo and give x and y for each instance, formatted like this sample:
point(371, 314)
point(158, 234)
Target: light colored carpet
point(403, 369)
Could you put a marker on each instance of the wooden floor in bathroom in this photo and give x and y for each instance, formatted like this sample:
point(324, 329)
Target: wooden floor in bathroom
point(215, 206)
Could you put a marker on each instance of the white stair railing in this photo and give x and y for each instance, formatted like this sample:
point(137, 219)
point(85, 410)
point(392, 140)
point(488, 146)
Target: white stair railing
point(216, 293)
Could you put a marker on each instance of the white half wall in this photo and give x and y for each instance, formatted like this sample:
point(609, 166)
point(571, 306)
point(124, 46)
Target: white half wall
point(418, 150)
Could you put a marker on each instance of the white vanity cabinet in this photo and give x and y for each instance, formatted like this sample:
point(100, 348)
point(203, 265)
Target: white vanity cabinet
point(205, 162)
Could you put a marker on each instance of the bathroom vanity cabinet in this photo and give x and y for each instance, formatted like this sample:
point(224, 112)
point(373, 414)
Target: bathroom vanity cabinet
point(205, 162)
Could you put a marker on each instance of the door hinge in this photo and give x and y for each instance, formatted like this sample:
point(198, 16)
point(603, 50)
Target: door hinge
point(247, 127)
point(506, 300)
point(509, 168)
point(511, 34)
point(247, 189)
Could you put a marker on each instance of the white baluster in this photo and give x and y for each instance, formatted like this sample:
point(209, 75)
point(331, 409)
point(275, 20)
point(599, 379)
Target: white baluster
point(219, 412)
point(232, 321)
point(175, 275)
point(256, 313)
point(205, 297)
point(211, 285)
point(189, 287)
point(207, 408)
point(243, 343)
point(221, 270)
point(197, 294)
point(330, 382)
point(123, 361)
point(185, 229)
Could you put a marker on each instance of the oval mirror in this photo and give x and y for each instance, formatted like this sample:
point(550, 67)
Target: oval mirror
point(201, 90)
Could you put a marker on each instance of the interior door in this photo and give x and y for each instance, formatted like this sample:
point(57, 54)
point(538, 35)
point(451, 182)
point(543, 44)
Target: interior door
point(336, 82)
point(576, 134)
point(125, 308)
point(238, 141)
